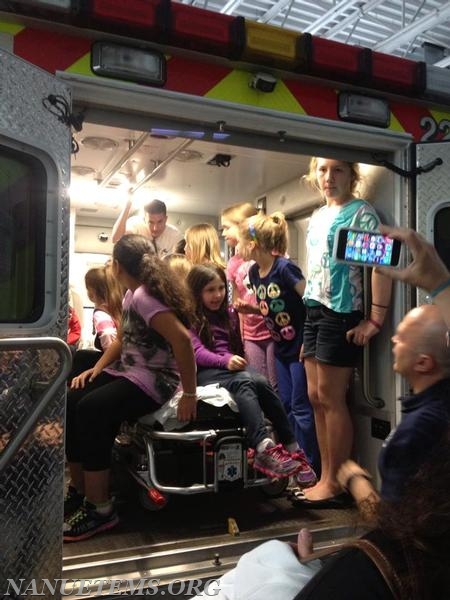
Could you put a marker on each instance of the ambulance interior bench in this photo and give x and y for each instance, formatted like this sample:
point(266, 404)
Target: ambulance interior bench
point(167, 457)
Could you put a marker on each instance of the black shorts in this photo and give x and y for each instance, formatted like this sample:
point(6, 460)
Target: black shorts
point(324, 336)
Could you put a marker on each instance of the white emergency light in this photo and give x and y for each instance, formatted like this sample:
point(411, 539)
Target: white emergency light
point(59, 5)
point(364, 109)
point(140, 65)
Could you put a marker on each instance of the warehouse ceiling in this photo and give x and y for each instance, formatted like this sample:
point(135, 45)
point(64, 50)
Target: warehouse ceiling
point(414, 29)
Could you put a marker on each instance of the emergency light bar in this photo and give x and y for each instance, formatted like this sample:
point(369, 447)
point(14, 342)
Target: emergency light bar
point(437, 82)
point(239, 39)
point(327, 58)
point(134, 18)
point(398, 74)
point(269, 45)
point(140, 65)
point(202, 30)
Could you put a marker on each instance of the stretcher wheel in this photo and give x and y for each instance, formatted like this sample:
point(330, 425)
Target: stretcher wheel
point(275, 488)
point(152, 500)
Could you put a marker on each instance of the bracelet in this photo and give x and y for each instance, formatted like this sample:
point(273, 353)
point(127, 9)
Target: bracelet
point(440, 288)
point(354, 476)
point(190, 395)
point(375, 323)
point(380, 305)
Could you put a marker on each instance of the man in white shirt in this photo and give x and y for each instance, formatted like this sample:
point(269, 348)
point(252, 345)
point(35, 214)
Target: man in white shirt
point(154, 226)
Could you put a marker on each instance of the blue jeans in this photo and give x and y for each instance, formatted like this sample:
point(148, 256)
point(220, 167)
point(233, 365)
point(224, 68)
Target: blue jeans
point(293, 391)
point(254, 396)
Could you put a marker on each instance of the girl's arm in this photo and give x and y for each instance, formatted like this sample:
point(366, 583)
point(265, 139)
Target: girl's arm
point(111, 354)
point(299, 287)
point(381, 296)
point(206, 358)
point(246, 308)
point(176, 334)
point(105, 328)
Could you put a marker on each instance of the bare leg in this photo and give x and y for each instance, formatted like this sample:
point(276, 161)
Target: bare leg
point(312, 376)
point(97, 486)
point(76, 477)
point(335, 426)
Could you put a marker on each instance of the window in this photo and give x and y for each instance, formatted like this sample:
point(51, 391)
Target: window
point(442, 233)
point(23, 196)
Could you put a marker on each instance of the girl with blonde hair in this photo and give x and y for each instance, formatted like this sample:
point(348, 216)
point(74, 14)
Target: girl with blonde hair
point(278, 284)
point(335, 327)
point(203, 245)
point(258, 343)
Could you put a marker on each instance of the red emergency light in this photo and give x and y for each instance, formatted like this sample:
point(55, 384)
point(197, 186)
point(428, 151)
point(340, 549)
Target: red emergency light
point(205, 31)
point(397, 74)
point(134, 18)
point(327, 58)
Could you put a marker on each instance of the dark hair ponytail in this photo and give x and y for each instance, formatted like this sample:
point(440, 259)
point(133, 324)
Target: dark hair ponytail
point(136, 255)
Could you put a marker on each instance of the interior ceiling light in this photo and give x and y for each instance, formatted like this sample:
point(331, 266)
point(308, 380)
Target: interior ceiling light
point(188, 155)
point(99, 143)
point(82, 171)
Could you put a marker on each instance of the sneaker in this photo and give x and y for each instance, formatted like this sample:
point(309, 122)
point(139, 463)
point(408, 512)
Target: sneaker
point(305, 477)
point(72, 501)
point(275, 462)
point(87, 522)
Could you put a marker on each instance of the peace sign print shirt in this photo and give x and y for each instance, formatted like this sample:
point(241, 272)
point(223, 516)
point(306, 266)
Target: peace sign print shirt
point(281, 306)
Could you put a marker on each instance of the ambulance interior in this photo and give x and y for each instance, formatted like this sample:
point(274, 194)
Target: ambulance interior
point(197, 179)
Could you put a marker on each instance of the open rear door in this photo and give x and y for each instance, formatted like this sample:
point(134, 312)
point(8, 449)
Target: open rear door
point(433, 199)
point(34, 361)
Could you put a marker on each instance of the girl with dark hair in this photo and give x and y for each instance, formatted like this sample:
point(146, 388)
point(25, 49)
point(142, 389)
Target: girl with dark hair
point(219, 357)
point(139, 371)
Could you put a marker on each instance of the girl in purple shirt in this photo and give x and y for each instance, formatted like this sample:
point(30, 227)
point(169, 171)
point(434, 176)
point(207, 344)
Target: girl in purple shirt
point(219, 357)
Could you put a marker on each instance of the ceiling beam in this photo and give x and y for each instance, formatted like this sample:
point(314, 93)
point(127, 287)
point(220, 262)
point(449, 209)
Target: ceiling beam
point(274, 11)
point(414, 29)
point(230, 6)
point(331, 15)
point(444, 62)
point(357, 14)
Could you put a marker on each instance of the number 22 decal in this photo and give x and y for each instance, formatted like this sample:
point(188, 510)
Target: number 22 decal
point(435, 131)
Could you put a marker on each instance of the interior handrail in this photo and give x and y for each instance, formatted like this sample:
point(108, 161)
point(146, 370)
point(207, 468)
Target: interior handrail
point(37, 343)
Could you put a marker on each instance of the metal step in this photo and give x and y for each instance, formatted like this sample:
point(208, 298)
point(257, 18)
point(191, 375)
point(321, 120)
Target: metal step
point(155, 568)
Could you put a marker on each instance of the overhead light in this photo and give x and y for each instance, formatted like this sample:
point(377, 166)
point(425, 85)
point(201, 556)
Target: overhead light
point(99, 143)
point(357, 108)
point(82, 171)
point(188, 155)
point(140, 65)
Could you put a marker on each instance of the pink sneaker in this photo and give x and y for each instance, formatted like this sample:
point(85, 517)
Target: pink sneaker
point(305, 477)
point(276, 462)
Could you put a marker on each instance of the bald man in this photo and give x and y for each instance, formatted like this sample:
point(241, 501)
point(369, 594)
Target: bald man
point(422, 355)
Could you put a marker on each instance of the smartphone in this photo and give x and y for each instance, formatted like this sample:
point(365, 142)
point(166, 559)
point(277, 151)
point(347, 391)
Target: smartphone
point(366, 248)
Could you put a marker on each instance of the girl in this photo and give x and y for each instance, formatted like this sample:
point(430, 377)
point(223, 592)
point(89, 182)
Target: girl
point(218, 353)
point(279, 285)
point(335, 329)
point(258, 343)
point(139, 371)
point(106, 294)
point(203, 245)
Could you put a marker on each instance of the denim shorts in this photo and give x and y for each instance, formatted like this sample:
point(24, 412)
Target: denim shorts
point(324, 336)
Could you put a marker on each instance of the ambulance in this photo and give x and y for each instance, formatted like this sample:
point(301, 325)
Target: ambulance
point(99, 99)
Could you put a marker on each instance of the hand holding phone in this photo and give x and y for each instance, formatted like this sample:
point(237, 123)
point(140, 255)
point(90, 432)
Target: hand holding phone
point(366, 248)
